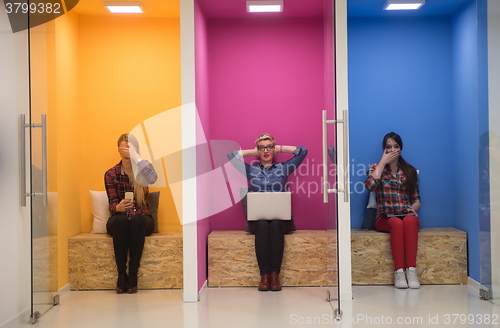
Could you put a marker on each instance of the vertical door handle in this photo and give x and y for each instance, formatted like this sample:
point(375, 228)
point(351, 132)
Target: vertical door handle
point(45, 190)
point(22, 151)
point(22, 138)
point(326, 190)
point(325, 160)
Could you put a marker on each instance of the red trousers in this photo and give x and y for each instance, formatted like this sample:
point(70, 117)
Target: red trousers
point(404, 238)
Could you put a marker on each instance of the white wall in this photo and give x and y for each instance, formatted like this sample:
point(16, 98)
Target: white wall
point(188, 215)
point(15, 274)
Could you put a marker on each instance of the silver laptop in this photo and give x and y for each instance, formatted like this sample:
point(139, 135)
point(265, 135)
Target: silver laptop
point(269, 206)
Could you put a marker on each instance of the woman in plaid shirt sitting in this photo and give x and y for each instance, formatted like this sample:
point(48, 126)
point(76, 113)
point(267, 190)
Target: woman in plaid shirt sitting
point(395, 183)
point(130, 220)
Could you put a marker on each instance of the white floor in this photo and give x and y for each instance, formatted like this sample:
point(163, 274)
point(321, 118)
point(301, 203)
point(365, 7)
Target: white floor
point(384, 306)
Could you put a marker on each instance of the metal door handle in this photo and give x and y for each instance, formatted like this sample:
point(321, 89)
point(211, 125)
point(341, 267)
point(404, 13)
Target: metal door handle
point(326, 191)
point(45, 190)
point(22, 150)
point(22, 138)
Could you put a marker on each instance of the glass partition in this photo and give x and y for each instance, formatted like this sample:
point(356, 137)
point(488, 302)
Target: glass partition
point(331, 148)
point(44, 225)
point(489, 161)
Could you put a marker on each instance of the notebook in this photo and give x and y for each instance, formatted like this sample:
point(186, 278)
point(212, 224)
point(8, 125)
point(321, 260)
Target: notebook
point(269, 206)
point(399, 214)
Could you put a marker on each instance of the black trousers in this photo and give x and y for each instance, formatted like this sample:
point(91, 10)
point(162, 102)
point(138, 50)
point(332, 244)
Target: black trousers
point(269, 243)
point(128, 237)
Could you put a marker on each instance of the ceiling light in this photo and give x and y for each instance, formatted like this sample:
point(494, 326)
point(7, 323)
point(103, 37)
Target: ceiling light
point(403, 4)
point(124, 7)
point(264, 6)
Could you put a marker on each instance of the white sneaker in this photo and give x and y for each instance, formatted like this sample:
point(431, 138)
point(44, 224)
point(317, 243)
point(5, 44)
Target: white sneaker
point(400, 279)
point(411, 276)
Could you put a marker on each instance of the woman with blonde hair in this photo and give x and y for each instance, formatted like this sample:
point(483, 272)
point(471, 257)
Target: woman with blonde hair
point(130, 220)
point(268, 176)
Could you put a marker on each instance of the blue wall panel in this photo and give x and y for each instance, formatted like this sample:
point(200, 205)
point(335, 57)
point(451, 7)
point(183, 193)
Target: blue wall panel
point(466, 124)
point(400, 79)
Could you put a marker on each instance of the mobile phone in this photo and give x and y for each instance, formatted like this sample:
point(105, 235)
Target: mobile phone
point(129, 195)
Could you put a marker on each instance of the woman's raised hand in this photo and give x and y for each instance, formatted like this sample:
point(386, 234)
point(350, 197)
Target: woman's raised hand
point(124, 151)
point(389, 157)
point(133, 152)
point(129, 152)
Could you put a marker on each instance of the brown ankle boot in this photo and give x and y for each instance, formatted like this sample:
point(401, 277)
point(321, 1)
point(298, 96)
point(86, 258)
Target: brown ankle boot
point(132, 283)
point(121, 284)
point(274, 284)
point(264, 282)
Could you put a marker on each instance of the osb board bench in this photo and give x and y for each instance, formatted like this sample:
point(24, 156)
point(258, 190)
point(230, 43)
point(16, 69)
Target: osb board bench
point(232, 261)
point(92, 263)
point(310, 256)
point(441, 257)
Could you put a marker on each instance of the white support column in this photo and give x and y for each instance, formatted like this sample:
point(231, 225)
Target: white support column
point(344, 210)
point(189, 201)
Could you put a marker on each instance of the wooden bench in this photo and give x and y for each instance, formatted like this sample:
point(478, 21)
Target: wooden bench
point(310, 258)
point(232, 261)
point(441, 257)
point(92, 263)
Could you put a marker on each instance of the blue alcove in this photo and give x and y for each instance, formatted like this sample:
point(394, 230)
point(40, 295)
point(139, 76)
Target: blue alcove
point(418, 73)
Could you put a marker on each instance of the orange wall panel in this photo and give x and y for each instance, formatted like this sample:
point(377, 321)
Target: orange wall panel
point(68, 118)
point(129, 71)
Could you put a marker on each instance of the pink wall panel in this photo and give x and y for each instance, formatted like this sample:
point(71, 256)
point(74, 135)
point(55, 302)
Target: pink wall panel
point(202, 134)
point(267, 75)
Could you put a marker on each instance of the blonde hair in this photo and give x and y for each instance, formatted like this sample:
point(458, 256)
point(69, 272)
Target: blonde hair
point(265, 136)
point(139, 190)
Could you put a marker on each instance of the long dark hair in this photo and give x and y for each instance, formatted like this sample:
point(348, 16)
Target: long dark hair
point(409, 171)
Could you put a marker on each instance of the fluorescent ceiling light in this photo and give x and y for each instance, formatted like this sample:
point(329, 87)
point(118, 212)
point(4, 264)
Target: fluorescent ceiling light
point(403, 4)
point(124, 7)
point(264, 6)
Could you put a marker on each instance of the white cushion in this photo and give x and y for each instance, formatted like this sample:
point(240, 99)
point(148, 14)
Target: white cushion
point(372, 202)
point(100, 211)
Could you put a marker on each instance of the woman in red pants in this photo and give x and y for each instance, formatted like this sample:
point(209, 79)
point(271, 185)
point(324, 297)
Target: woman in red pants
point(395, 183)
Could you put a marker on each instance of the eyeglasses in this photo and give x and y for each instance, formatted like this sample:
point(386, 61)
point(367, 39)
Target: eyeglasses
point(268, 148)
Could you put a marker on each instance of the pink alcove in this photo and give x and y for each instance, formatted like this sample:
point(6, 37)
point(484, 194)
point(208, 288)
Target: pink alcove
point(264, 72)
